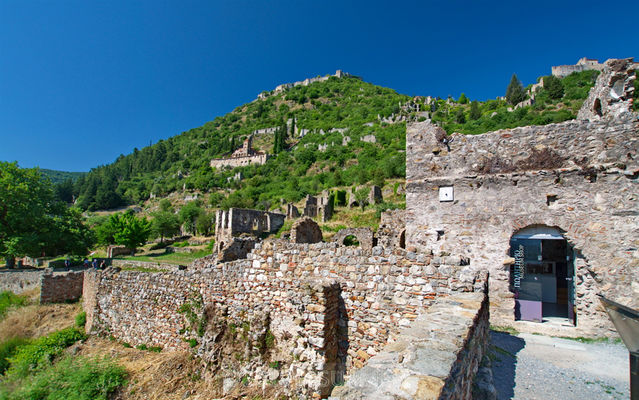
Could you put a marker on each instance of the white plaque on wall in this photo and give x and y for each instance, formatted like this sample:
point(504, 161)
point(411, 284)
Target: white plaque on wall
point(446, 193)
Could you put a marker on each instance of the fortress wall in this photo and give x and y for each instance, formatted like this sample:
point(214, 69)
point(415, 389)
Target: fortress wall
point(578, 176)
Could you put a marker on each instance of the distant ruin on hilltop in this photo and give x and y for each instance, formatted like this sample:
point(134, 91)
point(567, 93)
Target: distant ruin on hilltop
point(285, 86)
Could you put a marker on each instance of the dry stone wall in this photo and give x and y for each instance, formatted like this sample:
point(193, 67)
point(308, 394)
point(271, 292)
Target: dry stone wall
point(19, 281)
point(330, 308)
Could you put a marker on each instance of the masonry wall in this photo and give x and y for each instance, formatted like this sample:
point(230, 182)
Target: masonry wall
point(239, 161)
point(19, 281)
point(330, 307)
point(60, 288)
point(578, 176)
point(436, 357)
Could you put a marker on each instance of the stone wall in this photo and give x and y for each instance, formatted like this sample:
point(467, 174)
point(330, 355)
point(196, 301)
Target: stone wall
point(143, 264)
point(19, 281)
point(329, 307)
point(60, 288)
point(436, 357)
point(234, 162)
point(578, 176)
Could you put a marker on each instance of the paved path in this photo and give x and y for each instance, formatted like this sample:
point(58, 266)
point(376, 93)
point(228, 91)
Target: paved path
point(535, 367)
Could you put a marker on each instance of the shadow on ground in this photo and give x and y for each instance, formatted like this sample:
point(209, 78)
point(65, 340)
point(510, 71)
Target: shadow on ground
point(503, 354)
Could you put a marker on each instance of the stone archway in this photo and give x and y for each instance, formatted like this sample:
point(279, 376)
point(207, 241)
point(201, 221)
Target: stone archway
point(364, 236)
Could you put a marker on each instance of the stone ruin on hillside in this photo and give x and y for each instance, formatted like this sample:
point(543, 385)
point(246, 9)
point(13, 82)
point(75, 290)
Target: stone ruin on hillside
point(241, 157)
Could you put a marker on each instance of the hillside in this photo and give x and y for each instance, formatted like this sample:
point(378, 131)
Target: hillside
point(342, 132)
point(61, 176)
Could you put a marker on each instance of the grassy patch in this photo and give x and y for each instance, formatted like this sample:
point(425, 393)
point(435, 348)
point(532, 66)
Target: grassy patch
point(582, 339)
point(8, 300)
point(8, 349)
point(42, 351)
point(504, 329)
point(70, 378)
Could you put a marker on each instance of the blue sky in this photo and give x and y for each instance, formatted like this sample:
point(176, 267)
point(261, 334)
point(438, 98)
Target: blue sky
point(82, 82)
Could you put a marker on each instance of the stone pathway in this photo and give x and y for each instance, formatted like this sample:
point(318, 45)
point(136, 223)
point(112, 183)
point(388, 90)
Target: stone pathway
point(535, 367)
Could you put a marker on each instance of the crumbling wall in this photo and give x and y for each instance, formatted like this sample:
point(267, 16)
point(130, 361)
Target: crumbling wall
point(237, 221)
point(330, 307)
point(364, 236)
point(306, 231)
point(392, 229)
point(19, 281)
point(61, 287)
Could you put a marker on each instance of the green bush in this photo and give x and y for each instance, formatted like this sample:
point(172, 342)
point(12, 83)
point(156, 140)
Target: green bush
point(8, 348)
point(70, 379)
point(81, 319)
point(42, 351)
point(9, 299)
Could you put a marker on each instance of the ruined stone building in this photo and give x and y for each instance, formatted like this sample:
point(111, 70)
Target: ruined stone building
point(552, 212)
point(321, 206)
point(241, 157)
point(229, 225)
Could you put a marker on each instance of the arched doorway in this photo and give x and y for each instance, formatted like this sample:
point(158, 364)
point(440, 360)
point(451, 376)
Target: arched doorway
point(542, 276)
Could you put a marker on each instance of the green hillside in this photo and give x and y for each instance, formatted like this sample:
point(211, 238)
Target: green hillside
point(337, 114)
point(61, 176)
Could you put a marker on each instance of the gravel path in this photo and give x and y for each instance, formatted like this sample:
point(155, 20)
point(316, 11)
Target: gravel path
point(536, 367)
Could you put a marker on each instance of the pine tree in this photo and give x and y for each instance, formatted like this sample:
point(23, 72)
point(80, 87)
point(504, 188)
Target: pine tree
point(515, 92)
point(554, 87)
point(475, 112)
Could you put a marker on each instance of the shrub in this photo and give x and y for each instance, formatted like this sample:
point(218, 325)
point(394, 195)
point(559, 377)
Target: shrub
point(42, 351)
point(9, 299)
point(8, 348)
point(81, 319)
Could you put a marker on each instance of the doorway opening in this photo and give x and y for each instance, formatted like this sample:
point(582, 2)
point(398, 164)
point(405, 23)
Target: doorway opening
point(542, 276)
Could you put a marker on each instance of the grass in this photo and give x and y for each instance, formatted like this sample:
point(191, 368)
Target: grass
point(504, 329)
point(40, 352)
point(77, 378)
point(10, 300)
point(582, 339)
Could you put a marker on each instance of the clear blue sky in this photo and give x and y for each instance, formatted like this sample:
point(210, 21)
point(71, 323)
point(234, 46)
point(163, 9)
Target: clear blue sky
point(84, 81)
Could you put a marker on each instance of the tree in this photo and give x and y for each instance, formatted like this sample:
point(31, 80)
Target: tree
point(515, 92)
point(463, 99)
point(553, 87)
point(361, 195)
point(165, 224)
point(204, 223)
point(460, 118)
point(130, 231)
point(165, 205)
point(475, 113)
point(188, 215)
point(32, 221)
